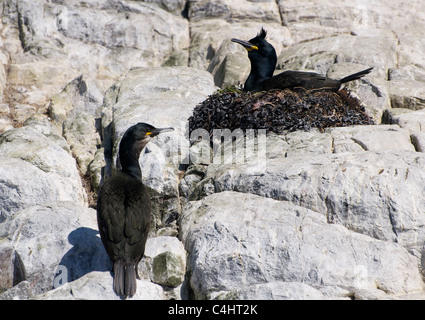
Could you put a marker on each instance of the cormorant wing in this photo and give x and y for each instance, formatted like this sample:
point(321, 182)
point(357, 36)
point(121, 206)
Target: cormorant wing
point(124, 211)
point(301, 79)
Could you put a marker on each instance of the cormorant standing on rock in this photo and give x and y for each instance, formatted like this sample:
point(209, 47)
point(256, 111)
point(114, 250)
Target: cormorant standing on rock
point(124, 209)
point(263, 62)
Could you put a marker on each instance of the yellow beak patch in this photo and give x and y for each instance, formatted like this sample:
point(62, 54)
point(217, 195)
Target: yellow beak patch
point(251, 48)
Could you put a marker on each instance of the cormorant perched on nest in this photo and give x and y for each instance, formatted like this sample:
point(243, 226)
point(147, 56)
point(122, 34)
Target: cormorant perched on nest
point(124, 209)
point(263, 62)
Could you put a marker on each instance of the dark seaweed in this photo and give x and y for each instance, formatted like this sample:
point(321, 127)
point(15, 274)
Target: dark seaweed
point(278, 111)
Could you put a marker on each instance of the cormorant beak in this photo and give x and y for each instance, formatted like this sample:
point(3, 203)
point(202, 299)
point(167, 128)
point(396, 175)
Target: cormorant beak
point(157, 131)
point(247, 45)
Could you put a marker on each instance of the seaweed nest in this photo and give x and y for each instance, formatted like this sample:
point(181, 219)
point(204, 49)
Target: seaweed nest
point(279, 111)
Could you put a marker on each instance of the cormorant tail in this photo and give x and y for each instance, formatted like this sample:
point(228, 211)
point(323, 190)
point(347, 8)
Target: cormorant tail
point(130, 279)
point(356, 76)
point(124, 278)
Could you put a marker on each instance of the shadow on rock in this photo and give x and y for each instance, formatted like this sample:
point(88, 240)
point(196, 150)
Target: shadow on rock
point(86, 255)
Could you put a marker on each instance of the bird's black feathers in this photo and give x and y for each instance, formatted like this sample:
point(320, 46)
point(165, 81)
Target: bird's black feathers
point(124, 210)
point(262, 34)
point(263, 58)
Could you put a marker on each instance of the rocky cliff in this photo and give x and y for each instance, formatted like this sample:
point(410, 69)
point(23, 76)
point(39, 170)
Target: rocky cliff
point(338, 214)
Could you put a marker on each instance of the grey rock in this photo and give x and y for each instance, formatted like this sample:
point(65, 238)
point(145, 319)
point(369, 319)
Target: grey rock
point(370, 138)
point(408, 94)
point(166, 260)
point(265, 10)
point(78, 96)
point(414, 121)
point(83, 138)
point(95, 169)
point(98, 286)
point(377, 194)
point(418, 140)
point(278, 290)
point(56, 243)
point(36, 170)
point(52, 43)
point(239, 240)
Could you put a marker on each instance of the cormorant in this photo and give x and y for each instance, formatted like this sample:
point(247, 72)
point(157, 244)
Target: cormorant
point(263, 62)
point(124, 209)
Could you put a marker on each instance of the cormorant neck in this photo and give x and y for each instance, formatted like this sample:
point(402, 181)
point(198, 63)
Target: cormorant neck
point(262, 68)
point(129, 153)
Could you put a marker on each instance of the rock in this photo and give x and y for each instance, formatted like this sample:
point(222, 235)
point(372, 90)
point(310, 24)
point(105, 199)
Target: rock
point(13, 271)
point(370, 138)
point(413, 121)
point(5, 124)
point(320, 54)
point(83, 139)
point(264, 11)
point(95, 169)
point(278, 290)
point(78, 96)
point(304, 142)
point(98, 286)
point(22, 112)
point(234, 244)
point(407, 94)
point(48, 128)
point(166, 259)
point(379, 194)
point(418, 140)
point(308, 20)
point(167, 270)
point(36, 170)
point(52, 43)
point(176, 7)
point(56, 243)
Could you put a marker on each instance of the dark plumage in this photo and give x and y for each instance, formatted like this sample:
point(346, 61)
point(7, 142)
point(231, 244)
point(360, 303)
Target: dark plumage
point(124, 209)
point(263, 63)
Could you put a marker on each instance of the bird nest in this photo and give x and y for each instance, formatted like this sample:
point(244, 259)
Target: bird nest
point(278, 111)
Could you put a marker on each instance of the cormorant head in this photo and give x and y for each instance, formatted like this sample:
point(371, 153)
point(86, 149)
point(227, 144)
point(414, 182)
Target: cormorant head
point(142, 131)
point(261, 54)
point(133, 142)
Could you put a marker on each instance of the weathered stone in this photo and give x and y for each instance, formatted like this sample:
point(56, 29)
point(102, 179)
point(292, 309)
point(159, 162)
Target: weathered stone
point(98, 286)
point(414, 121)
point(239, 240)
point(52, 43)
point(52, 161)
point(370, 138)
point(78, 96)
point(47, 172)
point(167, 269)
point(377, 194)
point(278, 290)
point(418, 140)
point(166, 260)
point(83, 139)
point(264, 11)
point(407, 94)
point(57, 243)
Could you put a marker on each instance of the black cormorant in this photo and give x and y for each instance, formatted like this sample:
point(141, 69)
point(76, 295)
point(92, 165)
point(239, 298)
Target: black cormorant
point(124, 209)
point(263, 62)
